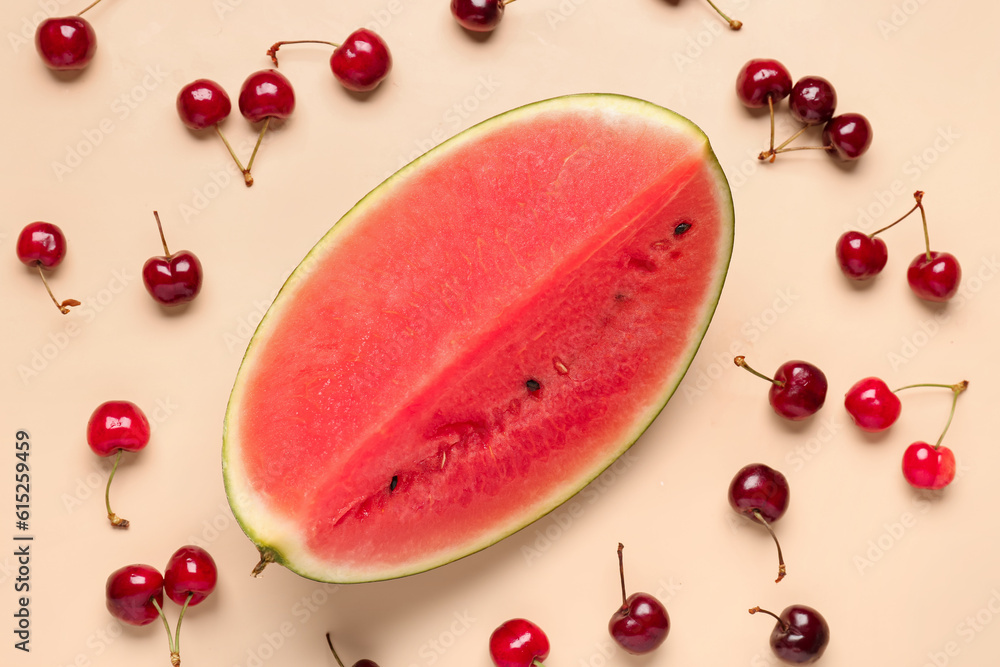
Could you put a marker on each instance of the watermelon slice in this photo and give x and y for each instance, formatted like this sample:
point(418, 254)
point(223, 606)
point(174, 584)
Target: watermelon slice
point(478, 338)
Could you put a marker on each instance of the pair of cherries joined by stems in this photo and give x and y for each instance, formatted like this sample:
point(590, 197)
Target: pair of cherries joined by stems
point(874, 408)
point(639, 626)
point(360, 64)
point(932, 275)
point(171, 279)
point(763, 82)
point(134, 593)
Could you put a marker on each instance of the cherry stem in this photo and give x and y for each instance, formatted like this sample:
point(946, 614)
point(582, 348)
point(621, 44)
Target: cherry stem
point(956, 389)
point(176, 652)
point(795, 148)
point(774, 150)
point(115, 520)
point(253, 156)
point(87, 8)
point(621, 572)
point(742, 363)
point(781, 560)
point(218, 130)
point(170, 640)
point(163, 239)
point(333, 650)
point(918, 195)
point(273, 51)
point(770, 108)
point(733, 24)
point(784, 626)
point(63, 306)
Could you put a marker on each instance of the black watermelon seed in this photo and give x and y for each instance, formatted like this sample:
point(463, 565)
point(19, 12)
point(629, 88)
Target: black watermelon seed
point(681, 228)
point(393, 483)
point(533, 385)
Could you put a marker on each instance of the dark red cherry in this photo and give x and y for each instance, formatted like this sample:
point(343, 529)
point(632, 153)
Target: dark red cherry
point(798, 389)
point(872, 405)
point(760, 493)
point(66, 43)
point(641, 624)
point(800, 635)
point(362, 61)
point(478, 15)
point(203, 103)
point(813, 100)
point(173, 278)
point(117, 425)
point(847, 136)
point(130, 592)
point(861, 256)
point(518, 643)
point(934, 276)
point(266, 94)
point(41, 244)
point(191, 571)
point(760, 79)
point(363, 662)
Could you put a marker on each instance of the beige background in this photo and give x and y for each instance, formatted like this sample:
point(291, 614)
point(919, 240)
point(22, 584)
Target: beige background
point(903, 578)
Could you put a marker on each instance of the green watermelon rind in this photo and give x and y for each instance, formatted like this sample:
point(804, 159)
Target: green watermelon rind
point(267, 544)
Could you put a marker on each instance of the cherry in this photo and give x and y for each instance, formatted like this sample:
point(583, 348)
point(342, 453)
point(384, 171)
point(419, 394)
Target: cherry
point(174, 278)
point(66, 43)
point(116, 426)
point(932, 466)
point(800, 635)
point(872, 405)
point(364, 662)
point(798, 389)
point(359, 64)
point(202, 104)
point(760, 493)
point(135, 594)
point(641, 624)
point(762, 82)
point(861, 256)
point(43, 245)
point(518, 643)
point(264, 95)
point(190, 576)
point(478, 15)
point(847, 136)
point(813, 100)
point(934, 276)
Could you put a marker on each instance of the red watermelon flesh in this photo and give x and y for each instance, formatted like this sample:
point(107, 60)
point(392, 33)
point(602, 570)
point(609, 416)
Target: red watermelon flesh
point(478, 338)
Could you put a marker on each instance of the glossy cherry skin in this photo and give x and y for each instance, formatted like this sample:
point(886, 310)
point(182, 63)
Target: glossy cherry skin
point(861, 257)
point(173, 279)
point(266, 94)
point(848, 136)
point(641, 625)
point(130, 591)
point(190, 571)
point(117, 425)
point(813, 100)
point(362, 61)
point(804, 637)
point(478, 15)
point(927, 468)
point(762, 78)
point(872, 405)
point(66, 43)
point(801, 392)
point(518, 643)
point(203, 103)
point(934, 279)
point(761, 488)
point(41, 243)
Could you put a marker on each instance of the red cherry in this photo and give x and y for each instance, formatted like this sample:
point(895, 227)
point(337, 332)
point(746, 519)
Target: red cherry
point(478, 15)
point(761, 80)
point(927, 467)
point(266, 94)
point(203, 103)
point(518, 643)
point(848, 136)
point(362, 61)
point(872, 405)
point(934, 276)
point(813, 100)
point(131, 591)
point(117, 425)
point(760, 493)
point(798, 389)
point(42, 245)
point(190, 576)
point(641, 624)
point(800, 635)
point(861, 256)
point(174, 278)
point(66, 43)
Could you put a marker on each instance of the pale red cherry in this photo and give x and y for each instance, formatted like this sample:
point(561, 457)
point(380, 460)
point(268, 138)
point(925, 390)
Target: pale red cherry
point(872, 405)
point(928, 466)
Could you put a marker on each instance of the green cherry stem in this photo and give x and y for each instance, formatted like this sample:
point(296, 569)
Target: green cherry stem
point(116, 520)
point(175, 657)
point(781, 559)
point(64, 305)
point(956, 389)
point(260, 137)
point(780, 148)
point(246, 172)
point(176, 652)
point(333, 650)
point(918, 195)
point(733, 23)
point(87, 8)
point(742, 363)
